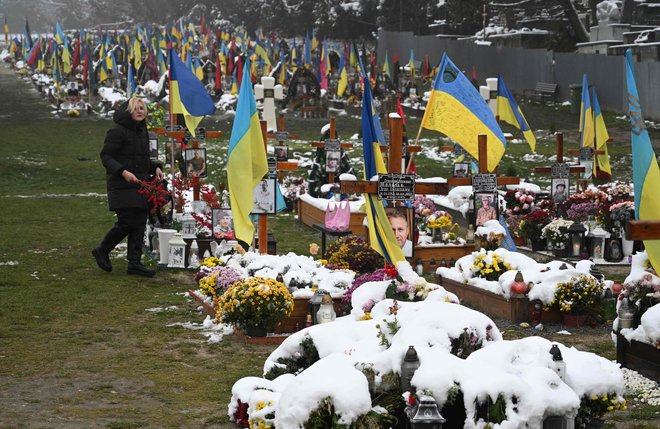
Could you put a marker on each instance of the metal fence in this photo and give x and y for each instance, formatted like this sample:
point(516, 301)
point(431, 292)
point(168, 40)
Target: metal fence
point(523, 68)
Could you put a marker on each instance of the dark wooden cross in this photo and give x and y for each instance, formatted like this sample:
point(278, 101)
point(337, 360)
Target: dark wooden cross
point(643, 230)
point(576, 152)
point(333, 136)
point(179, 134)
point(282, 136)
point(560, 160)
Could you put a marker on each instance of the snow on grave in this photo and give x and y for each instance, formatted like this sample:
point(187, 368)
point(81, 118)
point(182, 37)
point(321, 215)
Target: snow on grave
point(346, 364)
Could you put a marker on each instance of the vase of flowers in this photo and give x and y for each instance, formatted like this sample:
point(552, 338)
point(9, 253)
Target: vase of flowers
point(620, 214)
point(519, 202)
point(256, 302)
point(531, 225)
point(556, 233)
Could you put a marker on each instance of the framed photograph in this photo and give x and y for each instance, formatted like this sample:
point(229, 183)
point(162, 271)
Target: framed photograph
point(485, 207)
point(178, 155)
point(588, 169)
point(196, 162)
point(403, 221)
point(461, 169)
point(559, 189)
point(282, 153)
point(153, 146)
point(223, 224)
point(332, 158)
point(264, 196)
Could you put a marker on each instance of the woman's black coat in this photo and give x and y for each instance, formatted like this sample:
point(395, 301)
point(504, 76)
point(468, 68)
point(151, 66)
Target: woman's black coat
point(126, 147)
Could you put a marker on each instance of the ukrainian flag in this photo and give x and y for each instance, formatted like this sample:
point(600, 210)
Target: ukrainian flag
point(457, 110)
point(509, 112)
point(199, 73)
point(386, 67)
point(646, 174)
point(187, 94)
point(586, 116)
point(343, 77)
point(246, 159)
point(601, 135)
point(59, 34)
point(260, 50)
point(381, 236)
point(130, 82)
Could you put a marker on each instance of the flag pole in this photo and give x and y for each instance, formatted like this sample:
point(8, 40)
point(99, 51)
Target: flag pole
point(412, 155)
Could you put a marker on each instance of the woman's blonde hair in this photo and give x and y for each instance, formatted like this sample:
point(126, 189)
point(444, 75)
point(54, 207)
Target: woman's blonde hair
point(133, 102)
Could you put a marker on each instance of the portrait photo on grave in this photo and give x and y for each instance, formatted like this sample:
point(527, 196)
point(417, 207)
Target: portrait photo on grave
point(223, 224)
point(332, 158)
point(178, 154)
point(282, 153)
point(461, 169)
point(402, 221)
point(153, 147)
point(196, 162)
point(588, 169)
point(264, 196)
point(485, 206)
point(559, 188)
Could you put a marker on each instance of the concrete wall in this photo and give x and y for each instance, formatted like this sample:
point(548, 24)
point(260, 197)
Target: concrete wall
point(523, 68)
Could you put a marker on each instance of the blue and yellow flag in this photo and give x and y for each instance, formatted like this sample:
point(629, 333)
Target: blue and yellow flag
point(646, 174)
point(586, 128)
point(386, 67)
point(246, 159)
point(308, 51)
point(187, 94)
point(601, 136)
point(199, 72)
point(381, 236)
point(59, 34)
point(342, 84)
point(457, 110)
point(260, 50)
point(509, 112)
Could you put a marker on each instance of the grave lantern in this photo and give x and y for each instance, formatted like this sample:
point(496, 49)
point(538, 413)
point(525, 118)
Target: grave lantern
point(598, 236)
point(177, 252)
point(188, 225)
point(558, 364)
point(193, 257)
point(326, 311)
point(576, 234)
point(424, 414)
point(408, 367)
point(626, 315)
point(315, 304)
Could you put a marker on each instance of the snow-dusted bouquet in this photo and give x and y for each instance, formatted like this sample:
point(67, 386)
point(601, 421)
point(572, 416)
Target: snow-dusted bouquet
point(643, 293)
point(556, 232)
point(621, 213)
point(294, 187)
point(218, 280)
point(402, 290)
point(489, 266)
point(577, 294)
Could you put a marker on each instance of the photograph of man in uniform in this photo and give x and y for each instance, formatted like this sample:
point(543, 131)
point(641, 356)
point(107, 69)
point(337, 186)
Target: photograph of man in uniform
point(281, 153)
point(402, 228)
point(223, 224)
point(559, 190)
point(486, 206)
point(461, 169)
point(264, 197)
point(196, 162)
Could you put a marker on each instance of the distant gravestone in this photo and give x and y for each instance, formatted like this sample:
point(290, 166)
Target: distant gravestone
point(269, 92)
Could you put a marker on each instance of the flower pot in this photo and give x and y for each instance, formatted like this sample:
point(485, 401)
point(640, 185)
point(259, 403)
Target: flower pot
point(256, 331)
point(519, 241)
point(574, 320)
point(538, 245)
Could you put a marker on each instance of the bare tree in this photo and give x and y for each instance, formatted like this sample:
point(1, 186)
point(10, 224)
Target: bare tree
point(581, 34)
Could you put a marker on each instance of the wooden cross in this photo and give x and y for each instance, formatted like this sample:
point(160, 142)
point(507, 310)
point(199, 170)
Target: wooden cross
point(576, 152)
point(282, 136)
point(179, 135)
point(560, 160)
point(394, 124)
point(424, 188)
point(643, 230)
point(333, 136)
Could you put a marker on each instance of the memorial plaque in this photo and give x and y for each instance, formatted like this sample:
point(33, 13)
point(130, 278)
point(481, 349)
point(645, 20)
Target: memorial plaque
point(175, 127)
point(200, 133)
point(396, 187)
point(282, 136)
point(586, 153)
point(484, 182)
point(560, 170)
point(269, 92)
point(272, 164)
point(332, 144)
